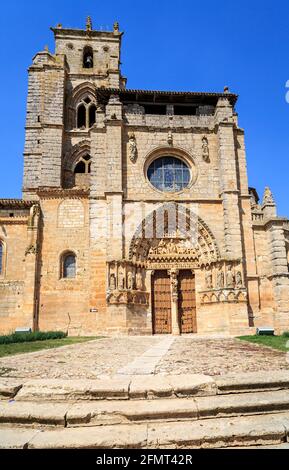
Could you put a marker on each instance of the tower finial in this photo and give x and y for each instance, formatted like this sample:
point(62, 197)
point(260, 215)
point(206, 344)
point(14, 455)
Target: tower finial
point(116, 27)
point(268, 196)
point(88, 24)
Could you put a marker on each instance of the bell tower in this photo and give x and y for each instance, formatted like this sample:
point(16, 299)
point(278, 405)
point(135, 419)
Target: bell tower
point(81, 56)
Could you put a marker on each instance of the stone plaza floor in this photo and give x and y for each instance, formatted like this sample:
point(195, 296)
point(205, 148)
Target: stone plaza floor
point(145, 355)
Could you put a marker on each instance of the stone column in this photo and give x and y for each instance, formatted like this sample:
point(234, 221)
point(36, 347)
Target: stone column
point(174, 302)
point(148, 284)
point(30, 297)
point(229, 188)
point(280, 275)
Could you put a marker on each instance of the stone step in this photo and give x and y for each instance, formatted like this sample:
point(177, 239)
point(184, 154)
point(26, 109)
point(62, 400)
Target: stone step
point(253, 381)
point(118, 387)
point(210, 433)
point(123, 387)
point(111, 412)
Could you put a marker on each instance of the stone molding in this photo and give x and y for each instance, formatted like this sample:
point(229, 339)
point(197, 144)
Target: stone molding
point(223, 295)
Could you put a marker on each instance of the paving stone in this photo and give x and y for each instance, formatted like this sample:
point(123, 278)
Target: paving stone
point(186, 355)
point(78, 361)
point(219, 356)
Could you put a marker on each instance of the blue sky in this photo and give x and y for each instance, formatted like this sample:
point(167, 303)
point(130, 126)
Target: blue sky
point(170, 45)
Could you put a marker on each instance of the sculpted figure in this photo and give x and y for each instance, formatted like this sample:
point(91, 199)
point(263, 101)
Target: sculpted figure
point(121, 283)
point(130, 280)
point(139, 284)
point(132, 147)
point(205, 149)
point(209, 280)
point(112, 283)
point(230, 281)
point(239, 280)
point(220, 279)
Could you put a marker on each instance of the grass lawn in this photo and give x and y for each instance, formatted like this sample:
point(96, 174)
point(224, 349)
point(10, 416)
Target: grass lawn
point(276, 342)
point(18, 348)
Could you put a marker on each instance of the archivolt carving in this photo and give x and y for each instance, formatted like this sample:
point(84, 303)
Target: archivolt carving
point(190, 243)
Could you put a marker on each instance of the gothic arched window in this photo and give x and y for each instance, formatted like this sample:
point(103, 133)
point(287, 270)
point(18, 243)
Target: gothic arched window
point(83, 165)
point(87, 58)
point(68, 265)
point(86, 112)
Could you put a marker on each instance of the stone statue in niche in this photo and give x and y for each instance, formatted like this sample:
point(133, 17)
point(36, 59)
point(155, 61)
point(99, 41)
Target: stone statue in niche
point(220, 279)
point(121, 283)
point(209, 279)
point(132, 147)
point(112, 283)
point(130, 280)
point(230, 281)
point(239, 279)
point(205, 149)
point(139, 283)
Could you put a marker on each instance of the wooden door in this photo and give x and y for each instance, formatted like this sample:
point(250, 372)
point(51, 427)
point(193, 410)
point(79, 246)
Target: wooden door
point(187, 302)
point(161, 303)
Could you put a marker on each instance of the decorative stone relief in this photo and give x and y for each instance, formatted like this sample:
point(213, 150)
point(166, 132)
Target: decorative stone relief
point(126, 283)
point(194, 248)
point(209, 278)
point(225, 295)
point(132, 147)
point(223, 283)
point(31, 250)
point(205, 150)
point(170, 138)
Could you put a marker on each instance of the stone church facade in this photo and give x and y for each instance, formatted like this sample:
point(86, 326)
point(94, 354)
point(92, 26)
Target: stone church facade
point(136, 215)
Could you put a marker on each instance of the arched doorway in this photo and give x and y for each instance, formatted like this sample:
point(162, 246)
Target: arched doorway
point(171, 256)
